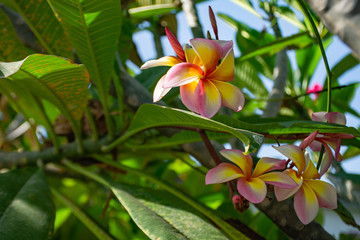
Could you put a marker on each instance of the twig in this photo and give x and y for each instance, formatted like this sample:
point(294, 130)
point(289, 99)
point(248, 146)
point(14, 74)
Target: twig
point(192, 18)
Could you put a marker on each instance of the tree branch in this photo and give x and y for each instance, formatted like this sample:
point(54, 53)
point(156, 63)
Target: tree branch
point(341, 17)
point(192, 18)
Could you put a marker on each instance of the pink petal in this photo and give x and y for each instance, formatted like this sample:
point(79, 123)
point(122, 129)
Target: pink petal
point(224, 172)
point(175, 44)
point(187, 95)
point(278, 179)
point(225, 46)
point(163, 61)
point(225, 71)
point(327, 160)
point(318, 116)
point(295, 154)
point(307, 141)
point(208, 51)
point(159, 91)
point(336, 117)
point(266, 164)
point(231, 96)
point(181, 74)
point(306, 204)
point(254, 189)
point(245, 162)
point(283, 193)
point(315, 146)
point(325, 193)
point(208, 98)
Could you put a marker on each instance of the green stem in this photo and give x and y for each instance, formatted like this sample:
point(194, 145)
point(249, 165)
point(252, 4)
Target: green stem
point(82, 216)
point(320, 157)
point(318, 38)
point(92, 123)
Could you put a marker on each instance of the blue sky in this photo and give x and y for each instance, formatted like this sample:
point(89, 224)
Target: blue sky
point(335, 52)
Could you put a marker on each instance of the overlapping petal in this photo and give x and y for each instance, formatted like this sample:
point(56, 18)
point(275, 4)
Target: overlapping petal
point(181, 74)
point(310, 171)
point(336, 117)
point(325, 193)
point(187, 94)
point(208, 98)
point(253, 189)
point(306, 204)
point(266, 164)
point(278, 179)
point(327, 160)
point(163, 61)
point(295, 154)
point(239, 158)
point(225, 71)
point(231, 96)
point(319, 116)
point(224, 172)
point(191, 55)
point(283, 193)
point(159, 91)
point(208, 51)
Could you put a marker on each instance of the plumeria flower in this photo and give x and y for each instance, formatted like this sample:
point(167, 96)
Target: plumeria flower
point(311, 193)
point(329, 140)
point(202, 71)
point(250, 184)
point(316, 88)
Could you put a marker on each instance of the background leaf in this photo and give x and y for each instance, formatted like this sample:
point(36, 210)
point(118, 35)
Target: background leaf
point(26, 209)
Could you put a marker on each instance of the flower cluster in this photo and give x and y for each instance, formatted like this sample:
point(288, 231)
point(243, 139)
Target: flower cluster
point(296, 176)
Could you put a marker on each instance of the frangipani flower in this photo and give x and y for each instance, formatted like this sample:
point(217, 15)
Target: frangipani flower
point(250, 184)
point(329, 140)
point(311, 193)
point(202, 80)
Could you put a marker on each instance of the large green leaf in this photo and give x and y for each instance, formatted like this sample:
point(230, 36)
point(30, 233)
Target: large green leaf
point(286, 128)
point(299, 40)
point(153, 210)
point(150, 116)
point(161, 215)
point(11, 48)
point(40, 18)
point(26, 209)
point(94, 28)
point(55, 79)
point(152, 10)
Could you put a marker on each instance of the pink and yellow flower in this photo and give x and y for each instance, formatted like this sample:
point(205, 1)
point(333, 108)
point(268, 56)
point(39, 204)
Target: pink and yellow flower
point(329, 140)
point(311, 193)
point(202, 71)
point(250, 184)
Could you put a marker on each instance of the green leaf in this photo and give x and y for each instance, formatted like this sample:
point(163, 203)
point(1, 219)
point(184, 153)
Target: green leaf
point(11, 48)
point(41, 20)
point(26, 209)
point(286, 128)
point(150, 116)
point(247, 5)
point(299, 40)
point(161, 215)
point(94, 29)
point(55, 79)
point(152, 10)
point(288, 15)
point(344, 65)
point(186, 200)
point(82, 216)
point(246, 75)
